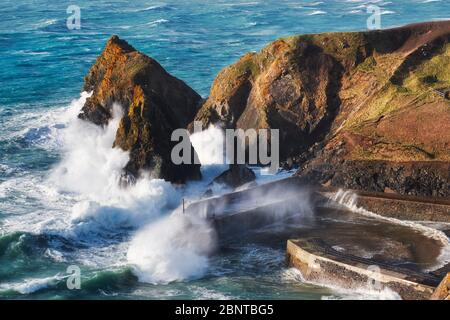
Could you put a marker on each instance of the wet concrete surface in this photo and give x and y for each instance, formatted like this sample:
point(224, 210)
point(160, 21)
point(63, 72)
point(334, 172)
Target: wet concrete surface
point(346, 232)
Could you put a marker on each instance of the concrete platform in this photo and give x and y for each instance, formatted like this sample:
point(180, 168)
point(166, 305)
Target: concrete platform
point(277, 212)
point(321, 264)
point(385, 204)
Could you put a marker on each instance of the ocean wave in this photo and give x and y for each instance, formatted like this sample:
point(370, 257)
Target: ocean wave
point(32, 53)
point(316, 12)
point(84, 204)
point(109, 280)
point(104, 281)
point(202, 293)
point(45, 23)
point(28, 247)
point(149, 8)
point(29, 286)
point(172, 249)
point(157, 22)
point(8, 240)
point(293, 275)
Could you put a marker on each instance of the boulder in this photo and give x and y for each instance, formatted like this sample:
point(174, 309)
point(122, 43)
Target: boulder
point(154, 104)
point(236, 176)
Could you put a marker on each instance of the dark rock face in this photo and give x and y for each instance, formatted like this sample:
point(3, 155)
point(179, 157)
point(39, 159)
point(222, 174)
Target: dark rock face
point(407, 178)
point(290, 86)
point(236, 176)
point(154, 105)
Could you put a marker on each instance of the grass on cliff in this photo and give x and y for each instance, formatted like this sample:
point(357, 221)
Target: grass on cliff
point(433, 73)
point(416, 88)
point(341, 46)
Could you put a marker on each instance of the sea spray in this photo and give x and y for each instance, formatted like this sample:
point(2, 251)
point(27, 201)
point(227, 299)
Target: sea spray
point(209, 145)
point(174, 248)
point(166, 247)
point(177, 246)
point(91, 168)
point(90, 164)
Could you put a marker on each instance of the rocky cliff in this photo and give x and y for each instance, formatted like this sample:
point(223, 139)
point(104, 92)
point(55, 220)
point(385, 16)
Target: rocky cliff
point(154, 104)
point(363, 110)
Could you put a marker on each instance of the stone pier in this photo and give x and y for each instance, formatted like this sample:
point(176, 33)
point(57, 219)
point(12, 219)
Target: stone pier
point(322, 265)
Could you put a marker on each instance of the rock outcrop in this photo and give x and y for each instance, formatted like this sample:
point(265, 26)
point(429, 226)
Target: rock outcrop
point(358, 110)
point(154, 104)
point(236, 176)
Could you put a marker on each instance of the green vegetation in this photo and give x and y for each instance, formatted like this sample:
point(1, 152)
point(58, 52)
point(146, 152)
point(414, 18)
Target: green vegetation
point(368, 65)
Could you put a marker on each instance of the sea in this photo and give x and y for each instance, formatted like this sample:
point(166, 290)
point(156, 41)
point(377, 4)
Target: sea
point(67, 230)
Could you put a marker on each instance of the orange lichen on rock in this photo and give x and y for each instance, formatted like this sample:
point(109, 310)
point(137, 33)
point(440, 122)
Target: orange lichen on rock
point(154, 104)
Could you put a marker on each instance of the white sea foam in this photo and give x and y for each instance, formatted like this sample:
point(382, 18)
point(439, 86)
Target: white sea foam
point(339, 293)
point(316, 12)
point(209, 145)
point(362, 294)
point(429, 1)
point(157, 22)
point(172, 249)
point(90, 165)
point(91, 168)
point(32, 285)
point(208, 294)
point(167, 247)
point(349, 200)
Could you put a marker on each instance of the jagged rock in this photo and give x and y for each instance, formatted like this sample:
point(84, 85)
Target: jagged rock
point(154, 104)
point(236, 176)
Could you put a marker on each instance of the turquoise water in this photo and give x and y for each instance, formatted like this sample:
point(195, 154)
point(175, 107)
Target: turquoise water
point(51, 219)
